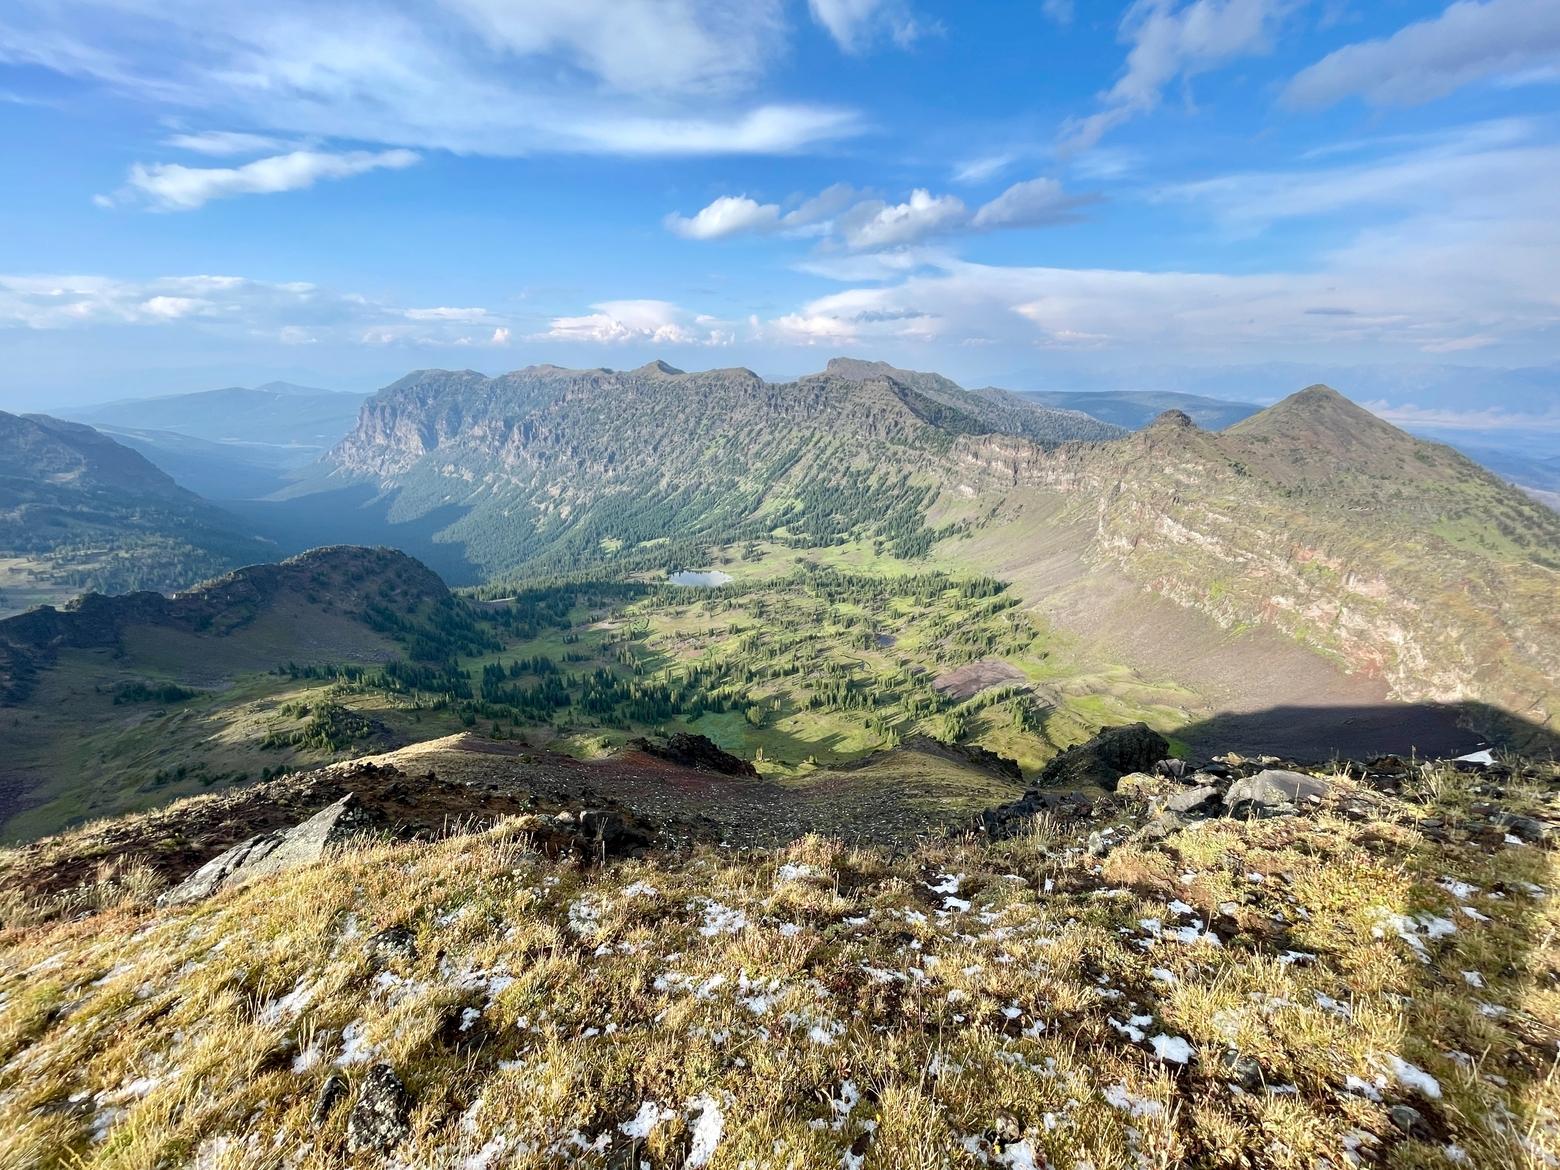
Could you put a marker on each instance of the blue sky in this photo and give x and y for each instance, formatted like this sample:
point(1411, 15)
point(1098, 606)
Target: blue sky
point(212, 191)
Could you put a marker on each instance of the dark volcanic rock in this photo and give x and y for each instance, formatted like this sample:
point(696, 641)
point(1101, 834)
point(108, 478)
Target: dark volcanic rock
point(274, 852)
point(1106, 758)
point(379, 1116)
point(695, 751)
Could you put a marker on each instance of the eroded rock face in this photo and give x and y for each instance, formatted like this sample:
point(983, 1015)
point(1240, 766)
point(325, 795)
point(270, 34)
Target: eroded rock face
point(274, 852)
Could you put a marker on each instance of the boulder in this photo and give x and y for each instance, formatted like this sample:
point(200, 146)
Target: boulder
point(1192, 800)
point(1272, 792)
point(378, 1121)
point(275, 852)
point(1106, 758)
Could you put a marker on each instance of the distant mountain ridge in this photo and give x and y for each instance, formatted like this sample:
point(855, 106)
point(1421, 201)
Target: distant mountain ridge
point(1135, 409)
point(79, 511)
point(277, 413)
point(560, 467)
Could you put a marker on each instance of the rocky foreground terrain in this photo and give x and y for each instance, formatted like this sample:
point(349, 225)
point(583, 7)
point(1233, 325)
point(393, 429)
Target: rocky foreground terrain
point(1137, 962)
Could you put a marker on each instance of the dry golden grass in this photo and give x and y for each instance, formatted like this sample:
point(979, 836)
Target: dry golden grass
point(966, 1003)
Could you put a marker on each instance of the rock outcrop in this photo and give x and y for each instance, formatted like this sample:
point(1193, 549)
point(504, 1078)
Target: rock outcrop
point(275, 852)
point(694, 751)
point(1106, 758)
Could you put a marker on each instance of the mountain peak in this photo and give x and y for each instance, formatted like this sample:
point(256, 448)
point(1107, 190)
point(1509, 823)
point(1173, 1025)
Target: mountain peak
point(1319, 417)
point(658, 367)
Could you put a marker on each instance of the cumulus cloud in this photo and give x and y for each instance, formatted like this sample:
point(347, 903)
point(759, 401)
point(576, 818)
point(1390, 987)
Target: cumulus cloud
point(1033, 203)
point(664, 77)
point(1172, 41)
point(870, 225)
point(729, 215)
point(875, 224)
point(1482, 277)
point(624, 322)
point(175, 187)
point(1431, 58)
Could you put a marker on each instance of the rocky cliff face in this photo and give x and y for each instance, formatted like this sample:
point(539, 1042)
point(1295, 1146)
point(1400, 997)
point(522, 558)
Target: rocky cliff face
point(1399, 557)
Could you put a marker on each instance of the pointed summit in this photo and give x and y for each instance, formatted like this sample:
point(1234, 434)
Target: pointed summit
point(657, 367)
point(1321, 419)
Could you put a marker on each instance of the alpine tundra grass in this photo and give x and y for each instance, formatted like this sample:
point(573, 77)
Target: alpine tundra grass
point(1312, 990)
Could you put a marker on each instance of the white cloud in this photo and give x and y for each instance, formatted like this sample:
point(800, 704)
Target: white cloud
point(446, 313)
point(823, 207)
point(223, 143)
point(1431, 58)
point(232, 310)
point(1482, 277)
point(727, 216)
point(1029, 204)
point(871, 225)
point(875, 224)
point(638, 46)
point(978, 170)
point(1492, 419)
point(643, 321)
point(175, 187)
point(475, 76)
point(1058, 11)
point(1488, 170)
point(1173, 41)
point(854, 24)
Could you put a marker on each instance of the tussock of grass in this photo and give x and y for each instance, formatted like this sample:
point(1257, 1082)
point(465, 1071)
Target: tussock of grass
point(964, 1003)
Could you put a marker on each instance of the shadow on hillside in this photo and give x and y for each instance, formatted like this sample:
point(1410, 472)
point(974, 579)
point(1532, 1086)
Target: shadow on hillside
point(359, 514)
point(1428, 730)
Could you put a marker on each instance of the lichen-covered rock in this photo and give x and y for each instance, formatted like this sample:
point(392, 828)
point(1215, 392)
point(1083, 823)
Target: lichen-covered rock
point(378, 1121)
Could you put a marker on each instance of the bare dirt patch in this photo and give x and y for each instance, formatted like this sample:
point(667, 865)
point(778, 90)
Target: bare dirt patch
point(968, 681)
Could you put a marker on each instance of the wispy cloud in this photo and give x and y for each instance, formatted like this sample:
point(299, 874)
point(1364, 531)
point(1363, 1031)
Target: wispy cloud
point(175, 187)
point(855, 24)
point(238, 310)
point(1173, 41)
point(476, 76)
point(1431, 58)
point(224, 143)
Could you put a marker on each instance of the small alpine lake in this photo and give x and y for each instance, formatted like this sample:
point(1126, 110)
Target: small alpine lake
point(703, 579)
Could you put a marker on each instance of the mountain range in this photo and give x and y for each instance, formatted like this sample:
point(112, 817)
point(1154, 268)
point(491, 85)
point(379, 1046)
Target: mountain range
point(1309, 567)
